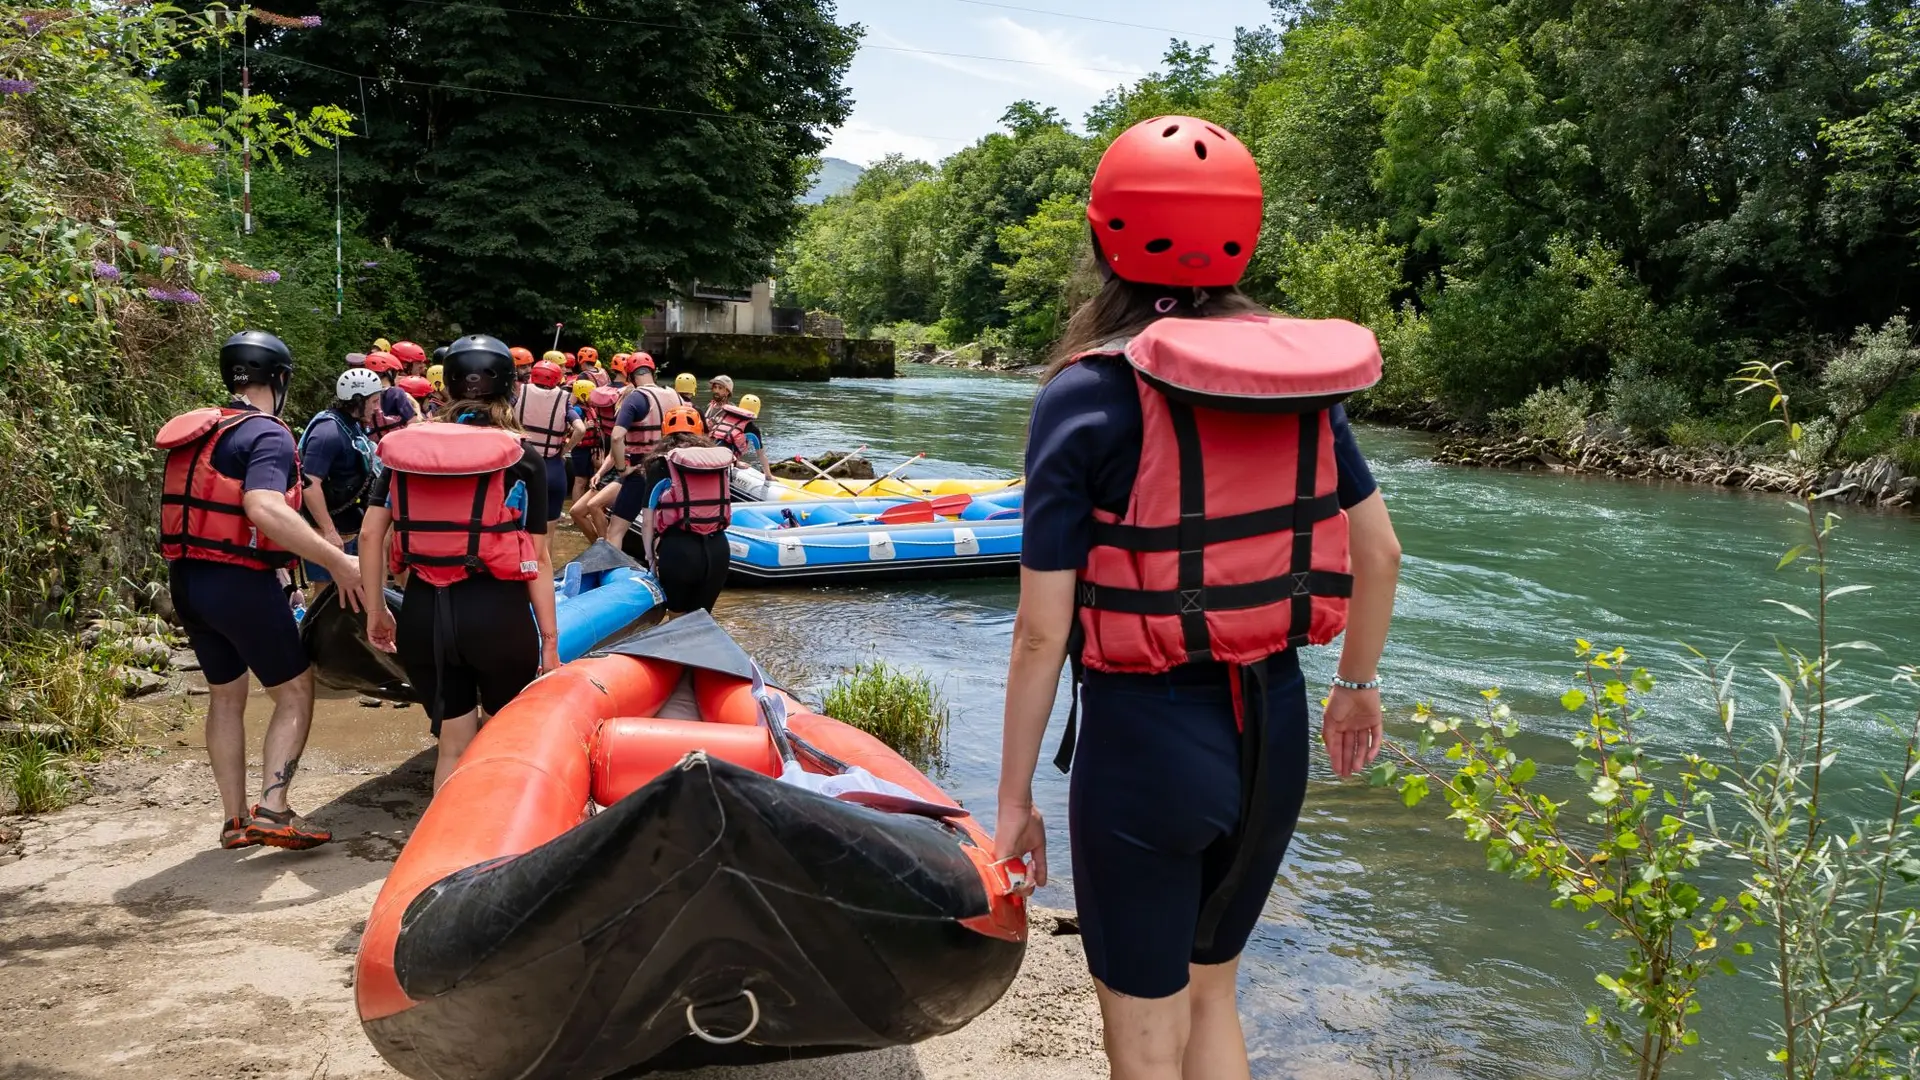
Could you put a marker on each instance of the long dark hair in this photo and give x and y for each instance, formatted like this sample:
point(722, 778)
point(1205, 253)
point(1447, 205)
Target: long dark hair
point(674, 442)
point(1124, 308)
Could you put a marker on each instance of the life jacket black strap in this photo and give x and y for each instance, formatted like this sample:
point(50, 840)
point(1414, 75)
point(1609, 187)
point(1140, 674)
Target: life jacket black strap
point(1190, 534)
point(272, 558)
point(207, 505)
point(1275, 519)
point(1299, 587)
point(1251, 688)
point(453, 526)
point(1077, 674)
point(1307, 478)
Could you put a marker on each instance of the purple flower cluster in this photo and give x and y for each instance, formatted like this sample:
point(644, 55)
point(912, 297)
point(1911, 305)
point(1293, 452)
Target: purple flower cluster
point(16, 86)
point(271, 277)
point(369, 264)
point(168, 251)
point(310, 22)
point(106, 271)
point(172, 296)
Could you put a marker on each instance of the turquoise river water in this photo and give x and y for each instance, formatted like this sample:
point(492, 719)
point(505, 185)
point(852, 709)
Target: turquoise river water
point(1387, 949)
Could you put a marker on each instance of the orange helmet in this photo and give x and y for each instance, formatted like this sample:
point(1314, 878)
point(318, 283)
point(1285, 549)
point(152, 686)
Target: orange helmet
point(589, 354)
point(641, 360)
point(521, 357)
point(682, 418)
point(547, 374)
point(619, 362)
point(383, 362)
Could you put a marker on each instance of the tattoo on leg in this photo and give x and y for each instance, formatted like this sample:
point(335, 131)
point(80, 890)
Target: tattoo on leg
point(283, 777)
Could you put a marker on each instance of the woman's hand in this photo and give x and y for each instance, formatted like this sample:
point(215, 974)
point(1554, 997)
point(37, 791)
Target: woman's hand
point(1351, 729)
point(1020, 830)
point(549, 655)
point(380, 627)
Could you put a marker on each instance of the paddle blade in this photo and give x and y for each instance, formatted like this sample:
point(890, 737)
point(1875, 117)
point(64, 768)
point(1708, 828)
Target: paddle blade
point(919, 512)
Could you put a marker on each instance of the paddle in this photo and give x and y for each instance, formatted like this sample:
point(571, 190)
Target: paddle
point(922, 511)
point(827, 473)
point(873, 486)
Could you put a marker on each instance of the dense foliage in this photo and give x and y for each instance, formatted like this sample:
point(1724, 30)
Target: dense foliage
point(546, 158)
point(1514, 193)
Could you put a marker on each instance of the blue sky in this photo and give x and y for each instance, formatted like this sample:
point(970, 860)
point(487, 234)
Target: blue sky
point(929, 106)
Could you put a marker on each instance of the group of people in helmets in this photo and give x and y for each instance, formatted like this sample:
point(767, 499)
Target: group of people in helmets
point(1196, 513)
point(447, 469)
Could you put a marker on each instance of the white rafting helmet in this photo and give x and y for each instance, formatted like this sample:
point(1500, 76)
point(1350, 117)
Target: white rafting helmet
point(356, 383)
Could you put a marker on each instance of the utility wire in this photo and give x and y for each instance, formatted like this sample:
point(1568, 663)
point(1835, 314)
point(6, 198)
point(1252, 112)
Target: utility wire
point(1094, 19)
point(681, 28)
point(737, 117)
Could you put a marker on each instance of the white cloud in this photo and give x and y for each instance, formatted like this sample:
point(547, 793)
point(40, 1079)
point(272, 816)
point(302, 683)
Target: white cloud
point(986, 70)
point(863, 144)
point(1061, 56)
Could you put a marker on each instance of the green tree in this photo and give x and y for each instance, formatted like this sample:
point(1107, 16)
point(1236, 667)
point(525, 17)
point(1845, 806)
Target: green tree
point(543, 157)
point(1045, 249)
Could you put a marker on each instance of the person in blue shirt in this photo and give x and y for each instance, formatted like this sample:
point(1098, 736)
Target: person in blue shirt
point(339, 463)
point(1185, 599)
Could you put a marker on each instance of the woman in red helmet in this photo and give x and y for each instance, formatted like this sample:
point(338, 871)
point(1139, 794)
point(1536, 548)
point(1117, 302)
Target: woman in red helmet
point(1196, 512)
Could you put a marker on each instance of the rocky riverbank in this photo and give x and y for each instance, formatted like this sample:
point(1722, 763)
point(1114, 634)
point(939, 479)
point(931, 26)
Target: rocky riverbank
point(1876, 481)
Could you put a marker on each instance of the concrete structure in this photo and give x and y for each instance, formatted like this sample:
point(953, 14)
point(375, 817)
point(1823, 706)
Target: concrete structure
point(707, 330)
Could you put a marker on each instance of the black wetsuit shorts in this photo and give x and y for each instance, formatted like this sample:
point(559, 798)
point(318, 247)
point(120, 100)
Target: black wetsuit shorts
point(1155, 813)
point(472, 644)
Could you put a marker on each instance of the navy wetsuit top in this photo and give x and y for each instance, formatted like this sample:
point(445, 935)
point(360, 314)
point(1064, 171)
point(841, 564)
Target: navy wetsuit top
point(1084, 451)
point(398, 404)
point(261, 455)
point(331, 459)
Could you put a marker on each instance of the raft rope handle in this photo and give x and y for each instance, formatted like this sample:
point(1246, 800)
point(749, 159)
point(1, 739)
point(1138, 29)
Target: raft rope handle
point(753, 1021)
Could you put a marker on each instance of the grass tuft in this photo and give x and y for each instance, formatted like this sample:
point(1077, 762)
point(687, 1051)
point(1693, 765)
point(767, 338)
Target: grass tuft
point(41, 778)
point(899, 706)
point(59, 703)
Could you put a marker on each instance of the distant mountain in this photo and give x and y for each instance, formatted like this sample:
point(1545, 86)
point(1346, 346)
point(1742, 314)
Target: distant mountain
point(836, 178)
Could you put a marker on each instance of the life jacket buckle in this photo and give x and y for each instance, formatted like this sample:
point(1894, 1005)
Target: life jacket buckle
point(1190, 601)
point(1300, 584)
point(1086, 594)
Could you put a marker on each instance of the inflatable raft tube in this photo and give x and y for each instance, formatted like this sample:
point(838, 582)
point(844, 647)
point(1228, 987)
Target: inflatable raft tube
point(601, 891)
point(842, 541)
point(750, 486)
point(597, 597)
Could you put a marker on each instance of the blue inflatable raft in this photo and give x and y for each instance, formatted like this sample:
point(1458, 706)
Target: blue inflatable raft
point(839, 541)
point(597, 597)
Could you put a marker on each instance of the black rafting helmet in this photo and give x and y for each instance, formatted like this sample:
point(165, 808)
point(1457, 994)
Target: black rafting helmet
point(440, 355)
point(257, 358)
point(478, 368)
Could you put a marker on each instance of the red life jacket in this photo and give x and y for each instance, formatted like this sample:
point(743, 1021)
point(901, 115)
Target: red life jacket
point(596, 374)
point(202, 510)
point(451, 520)
point(641, 437)
point(543, 412)
point(727, 426)
point(1234, 546)
point(699, 495)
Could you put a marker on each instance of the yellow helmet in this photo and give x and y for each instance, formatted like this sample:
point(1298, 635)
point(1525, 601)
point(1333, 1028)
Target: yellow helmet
point(685, 383)
point(555, 356)
point(382, 345)
point(582, 390)
point(751, 403)
point(437, 375)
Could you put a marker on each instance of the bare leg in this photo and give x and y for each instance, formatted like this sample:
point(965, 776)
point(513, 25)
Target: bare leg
point(456, 732)
point(227, 744)
point(1146, 1037)
point(1216, 1050)
point(286, 738)
point(617, 530)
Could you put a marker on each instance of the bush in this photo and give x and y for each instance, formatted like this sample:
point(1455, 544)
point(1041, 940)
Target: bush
point(38, 776)
point(900, 707)
point(1556, 413)
point(1342, 274)
point(1643, 403)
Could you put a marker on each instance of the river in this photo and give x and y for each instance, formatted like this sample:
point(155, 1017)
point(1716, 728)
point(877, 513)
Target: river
point(1387, 949)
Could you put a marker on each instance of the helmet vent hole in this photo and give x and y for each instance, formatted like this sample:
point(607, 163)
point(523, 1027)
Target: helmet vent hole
point(1170, 132)
point(1116, 224)
point(1200, 148)
point(1233, 248)
point(1157, 247)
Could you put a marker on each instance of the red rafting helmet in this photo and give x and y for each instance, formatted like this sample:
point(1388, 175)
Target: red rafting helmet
point(409, 353)
point(383, 362)
point(416, 386)
point(1176, 201)
point(548, 374)
point(640, 360)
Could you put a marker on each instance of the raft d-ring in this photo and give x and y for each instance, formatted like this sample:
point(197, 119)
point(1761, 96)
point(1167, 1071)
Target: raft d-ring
point(753, 1021)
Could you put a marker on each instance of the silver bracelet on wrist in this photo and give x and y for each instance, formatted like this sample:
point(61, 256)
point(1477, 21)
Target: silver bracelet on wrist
point(1349, 684)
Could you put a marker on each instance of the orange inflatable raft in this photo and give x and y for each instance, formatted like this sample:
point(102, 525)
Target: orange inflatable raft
point(604, 889)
